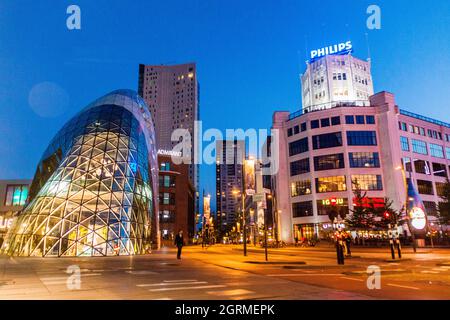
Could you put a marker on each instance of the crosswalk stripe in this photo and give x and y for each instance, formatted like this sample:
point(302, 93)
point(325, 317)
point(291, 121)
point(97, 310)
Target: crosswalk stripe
point(169, 284)
point(404, 287)
point(235, 292)
point(187, 288)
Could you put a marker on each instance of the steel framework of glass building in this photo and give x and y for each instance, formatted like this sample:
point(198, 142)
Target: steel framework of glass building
point(95, 189)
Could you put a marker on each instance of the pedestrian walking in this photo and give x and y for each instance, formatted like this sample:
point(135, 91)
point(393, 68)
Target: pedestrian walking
point(348, 242)
point(179, 242)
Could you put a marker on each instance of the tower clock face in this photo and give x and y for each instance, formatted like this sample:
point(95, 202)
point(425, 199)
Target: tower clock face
point(418, 219)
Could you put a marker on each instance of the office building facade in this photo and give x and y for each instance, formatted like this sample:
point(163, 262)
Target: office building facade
point(230, 157)
point(322, 154)
point(13, 196)
point(176, 200)
point(172, 94)
point(336, 79)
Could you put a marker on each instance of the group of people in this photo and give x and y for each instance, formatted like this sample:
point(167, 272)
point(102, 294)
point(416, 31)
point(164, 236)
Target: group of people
point(343, 242)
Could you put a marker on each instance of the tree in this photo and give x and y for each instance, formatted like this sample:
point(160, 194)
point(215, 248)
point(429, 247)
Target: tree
point(444, 205)
point(362, 217)
point(386, 214)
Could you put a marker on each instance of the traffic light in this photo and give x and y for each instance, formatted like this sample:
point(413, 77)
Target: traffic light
point(387, 215)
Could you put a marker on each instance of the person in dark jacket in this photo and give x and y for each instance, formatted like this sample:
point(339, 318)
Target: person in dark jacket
point(179, 242)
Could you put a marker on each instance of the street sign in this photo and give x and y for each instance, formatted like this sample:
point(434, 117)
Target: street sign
point(259, 197)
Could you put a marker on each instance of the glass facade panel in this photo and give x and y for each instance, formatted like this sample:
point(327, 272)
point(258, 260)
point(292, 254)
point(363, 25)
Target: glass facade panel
point(425, 187)
point(361, 138)
point(422, 166)
point(329, 162)
point(439, 170)
point(300, 167)
point(94, 192)
point(298, 147)
point(334, 205)
point(404, 142)
point(436, 150)
point(302, 209)
point(419, 146)
point(331, 184)
point(16, 195)
point(300, 188)
point(330, 140)
point(364, 160)
point(367, 182)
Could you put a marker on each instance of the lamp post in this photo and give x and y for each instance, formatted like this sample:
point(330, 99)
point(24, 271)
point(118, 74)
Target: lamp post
point(244, 226)
point(413, 237)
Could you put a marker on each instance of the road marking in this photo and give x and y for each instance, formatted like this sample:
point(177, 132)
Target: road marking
point(235, 292)
point(140, 272)
point(404, 287)
point(426, 271)
point(360, 280)
point(186, 288)
point(169, 284)
point(184, 280)
point(304, 275)
point(65, 278)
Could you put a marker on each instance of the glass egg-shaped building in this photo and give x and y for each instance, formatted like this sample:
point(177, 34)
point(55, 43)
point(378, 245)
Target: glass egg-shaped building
point(95, 189)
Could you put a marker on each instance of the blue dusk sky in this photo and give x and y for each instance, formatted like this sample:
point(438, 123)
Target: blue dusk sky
point(249, 56)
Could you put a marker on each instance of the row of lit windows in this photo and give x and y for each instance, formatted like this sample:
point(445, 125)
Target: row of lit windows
point(336, 161)
point(366, 182)
point(421, 131)
point(305, 208)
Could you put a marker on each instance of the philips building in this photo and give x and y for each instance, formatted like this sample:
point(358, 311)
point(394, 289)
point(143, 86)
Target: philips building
point(334, 77)
point(95, 189)
point(324, 150)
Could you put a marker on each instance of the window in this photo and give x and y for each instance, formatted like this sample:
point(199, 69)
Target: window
point(302, 209)
point(299, 167)
point(289, 132)
point(407, 164)
point(165, 166)
point(300, 188)
point(367, 182)
point(329, 140)
point(370, 119)
point(16, 195)
point(364, 160)
point(296, 130)
point(422, 166)
point(404, 142)
point(360, 120)
point(447, 151)
point(167, 181)
point(349, 120)
point(166, 198)
point(315, 124)
point(361, 138)
point(325, 122)
point(299, 146)
point(335, 121)
point(331, 184)
point(436, 150)
point(430, 208)
point(329, 162)
point(425, 187)
point(339, 205)
point(166, 216)
point(440, 189)
point(303, 127)
point(419, 146)
point(439, 169)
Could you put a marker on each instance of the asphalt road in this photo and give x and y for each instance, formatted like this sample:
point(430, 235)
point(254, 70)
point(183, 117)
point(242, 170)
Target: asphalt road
point(222, 272)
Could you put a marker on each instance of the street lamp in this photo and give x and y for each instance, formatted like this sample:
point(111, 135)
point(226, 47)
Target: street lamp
point(244, 227)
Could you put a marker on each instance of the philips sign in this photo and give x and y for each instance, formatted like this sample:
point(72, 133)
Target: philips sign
point(341, 48)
